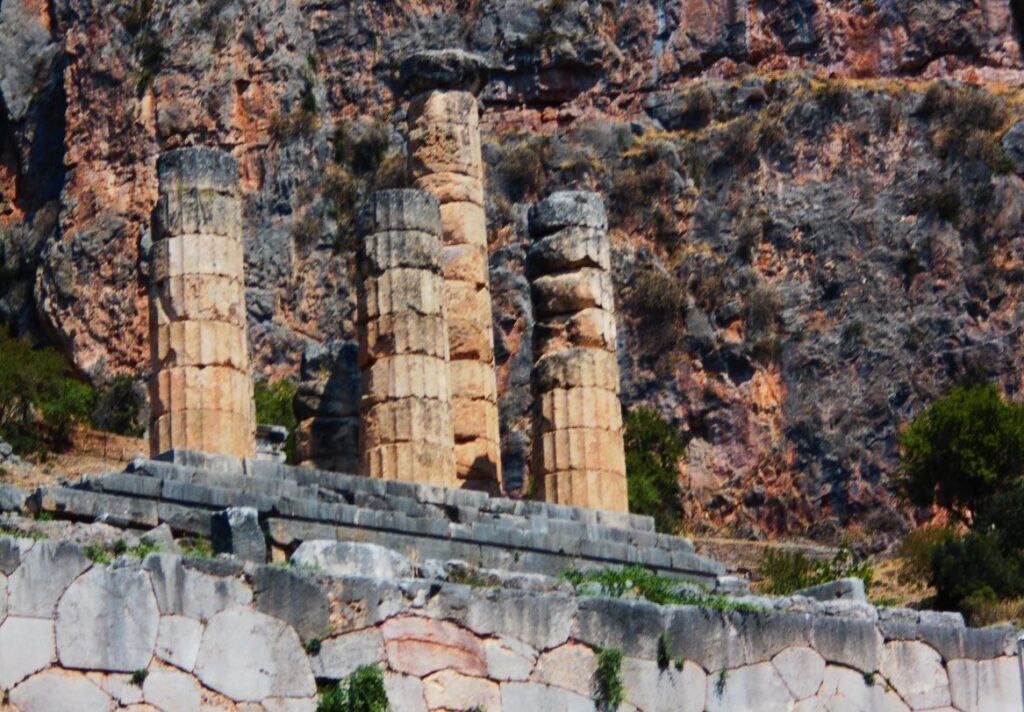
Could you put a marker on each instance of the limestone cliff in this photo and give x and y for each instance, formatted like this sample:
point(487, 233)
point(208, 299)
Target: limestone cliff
point(810, 240)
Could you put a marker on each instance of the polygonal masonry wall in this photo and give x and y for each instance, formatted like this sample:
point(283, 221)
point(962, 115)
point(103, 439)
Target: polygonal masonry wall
point(221, 634)
point(578, 452)
point(406, 411)
point(201, 391)
point(445, 159)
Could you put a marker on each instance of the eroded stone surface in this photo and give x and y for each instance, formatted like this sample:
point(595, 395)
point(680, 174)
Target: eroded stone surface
point(915, 670)
point(509, 659)
point(26, 647)
point(670, 690)
point(753, 687)
point(45, 572)
point(570, 666)
point(184, 591)
point(108, 620)
point(420, 646)
point(448, 689)
point(249, 656)
point(341, 655)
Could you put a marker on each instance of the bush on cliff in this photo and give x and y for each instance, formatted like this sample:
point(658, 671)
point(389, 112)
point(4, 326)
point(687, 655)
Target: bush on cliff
point(653, 451)
point(274, 407)
point(40, 399)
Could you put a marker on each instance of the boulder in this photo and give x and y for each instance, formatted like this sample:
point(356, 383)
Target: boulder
point(248, 656)
point(347, 558)
point(12, 499)
point(108, 620)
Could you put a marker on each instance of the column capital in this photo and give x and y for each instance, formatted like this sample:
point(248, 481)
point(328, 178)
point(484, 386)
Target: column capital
point(444, 69)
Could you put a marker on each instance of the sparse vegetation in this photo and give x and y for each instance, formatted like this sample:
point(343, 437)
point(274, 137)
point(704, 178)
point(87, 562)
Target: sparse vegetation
point(608, 688)
point(520, 170)
point(139, 677)
point(721, 680)
point(664, 651)
point(362, 691)
point(785, 572)
point(119, 408)
point(274, 407)
point(198, 547)
point(653, 451)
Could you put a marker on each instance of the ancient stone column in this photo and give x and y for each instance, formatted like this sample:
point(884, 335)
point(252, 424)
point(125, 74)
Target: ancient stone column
point(201, 390)
point(406, 412)
point(578, 454)
point(445, 159)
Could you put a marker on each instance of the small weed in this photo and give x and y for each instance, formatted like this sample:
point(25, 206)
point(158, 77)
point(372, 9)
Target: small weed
point(608, 689)
point(785, 572)
point(679, 662)
point(664, 651)
point(139, 677)
point(313, 645)
point(199, 548)
point(98, 555)
point(869, 679)
point(44, 517)
point(721, 681)
point(362, 691)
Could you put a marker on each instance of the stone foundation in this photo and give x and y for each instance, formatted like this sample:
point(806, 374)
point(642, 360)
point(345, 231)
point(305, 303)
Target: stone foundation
point(406, 412)
point(200, 389)
point(578, 452)
point(445, 159)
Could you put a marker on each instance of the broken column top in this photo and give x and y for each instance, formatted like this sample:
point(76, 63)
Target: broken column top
point(451, 69)
point(568, 208)
point(198, 167)
point(400, 209)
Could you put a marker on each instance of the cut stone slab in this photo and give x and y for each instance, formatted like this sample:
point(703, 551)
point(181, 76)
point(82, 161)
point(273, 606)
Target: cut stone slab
point(845, 689)
point(340, 656)
point(534, 696)
point(570, 666)
point(541, 623)
point(181, 590)
point(654, 690)
point(59, 690)
point(755, 687)
point(508, 659)
point(237, 531)
point(177, 641)
point(801, 669)
point(985, 686)
point(420, 646)
point(26, 647)
point(45, 572)
point(249, 656)
point(172, 691)
point(108, 620)
point(294, 596)
point(450, 690)
point(348, 558)
point(405, 693)
point(847, 589)
point(916, 672)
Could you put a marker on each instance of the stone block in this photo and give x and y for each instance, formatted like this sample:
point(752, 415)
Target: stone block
point(295, 597)
point(534, 696)
point(631, 626)
point(670, 690)
point(197, 167)
point(200, 343)
point(193, 211)
point(580, 450)
point(184, 591)
point(464, 224)
point(399, 291)
point(249, 656)
point(568, 250)
point(403, 333)
point(237, 531)
point(12, 499)
point(916, 672)
point(411, 420)
point(405, 376)
point(509, 659)
point(405, 209)
point(46, 571)
point(404, 692)
point(331, 443)
point(421, 646)
point(108, 620)
point(466, 263)
point(206, 430)
point(571, 292)
point(442, 147)
point(171, 691)
point(570, 666)
point(210, 388)
point(201, 254)
point(385, 250)
point(590, 328)
point(854, 643)
point(476, 459)
point(448, 689)
point(60, 690)
point(177, 641)
point(345, 558)
point(340, 655)
point(583, 407)
point(203, 297)
point(755, 687)
point(801, 669)
point(455, 71)
point(452, 187)
point(574, 368)
point(473, 379)
point(415, 462)
point(848, 589)
point(846, 689)
point(26, 647)
point(567, 209)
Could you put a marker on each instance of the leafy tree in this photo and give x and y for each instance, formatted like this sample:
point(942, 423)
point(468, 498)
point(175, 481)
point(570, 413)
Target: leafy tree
point(274, 407)
point(119, 408)
point(653, 451)
point(962, 450)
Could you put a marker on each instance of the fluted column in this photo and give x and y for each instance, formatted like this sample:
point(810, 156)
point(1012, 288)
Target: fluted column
point(201, 391)
point(578, 453)
point(406, 412)
point(445, 159)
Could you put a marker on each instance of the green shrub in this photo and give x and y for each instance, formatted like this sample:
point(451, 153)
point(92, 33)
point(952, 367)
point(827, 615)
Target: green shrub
point(608, 689)
point(139, 677)
point(664, 651)
point(362, 691)
point(119, 408)
point(653, 451)
point(520, 170)
point(785, 572)
point(917, 551)
point(274, 407)
point(962, 450)
point(963, 567)
point(369, 148)
point(37, 383)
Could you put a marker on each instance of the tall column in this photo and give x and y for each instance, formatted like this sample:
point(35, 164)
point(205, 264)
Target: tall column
point(445, 159)
point(201, 391)
point(406, 413)
point(578, 453)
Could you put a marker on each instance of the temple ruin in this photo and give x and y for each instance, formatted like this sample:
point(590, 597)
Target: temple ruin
point(201, 390)
point(445, 159)
point(578, 454)
point(406, 424)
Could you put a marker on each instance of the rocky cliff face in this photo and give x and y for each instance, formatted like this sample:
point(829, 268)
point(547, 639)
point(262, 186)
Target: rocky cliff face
point(812, 238)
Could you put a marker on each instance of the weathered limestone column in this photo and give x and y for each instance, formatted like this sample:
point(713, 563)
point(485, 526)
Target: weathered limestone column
point(445, 159)
point(578, 454)
point(406, 413)
point(201, 390)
